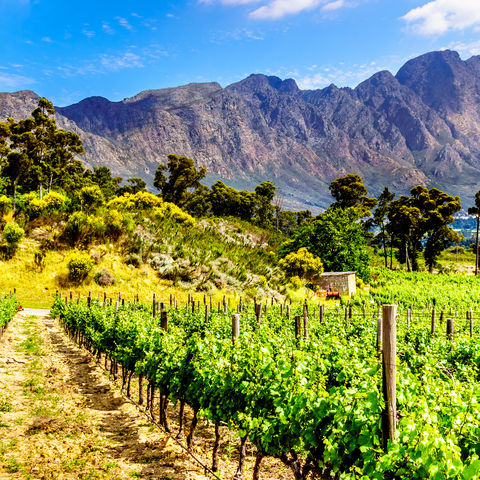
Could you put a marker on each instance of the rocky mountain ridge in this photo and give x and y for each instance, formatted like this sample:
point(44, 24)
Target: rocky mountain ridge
point(420, 126)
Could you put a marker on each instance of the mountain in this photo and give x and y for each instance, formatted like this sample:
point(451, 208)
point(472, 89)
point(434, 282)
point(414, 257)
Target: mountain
point(420, 126)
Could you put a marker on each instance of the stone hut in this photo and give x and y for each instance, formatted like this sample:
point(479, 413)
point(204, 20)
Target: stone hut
point(342, 282)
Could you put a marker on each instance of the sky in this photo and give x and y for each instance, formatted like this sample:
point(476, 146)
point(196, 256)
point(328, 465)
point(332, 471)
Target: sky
point(69, 50)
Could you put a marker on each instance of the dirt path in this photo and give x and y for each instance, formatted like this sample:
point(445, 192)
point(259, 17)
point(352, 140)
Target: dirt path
point(62, 418)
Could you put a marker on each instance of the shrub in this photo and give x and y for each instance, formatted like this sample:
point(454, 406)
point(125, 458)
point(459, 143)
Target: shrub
point(114, 224)
point(54, 202)
point(13, 234)
point(91, 197)
point(170, 211)
point(79, 266)
point(5, 204)
point(133, 259)
point(104, 278)
point(39, 259)
point(138, 201)
point(82, 228)
point(302, 264)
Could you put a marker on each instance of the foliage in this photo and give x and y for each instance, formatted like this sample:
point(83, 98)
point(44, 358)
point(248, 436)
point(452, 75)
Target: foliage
point(427, 212)
point(138, 201)
point(79, 265)
point(302, 264)
point(5, 204)
point(349, 192)
point(337, 237)
point(13, 234)
point(172, 212)
point(183, 177)
point(8, 308)
point(91, 198)
point(81, 228)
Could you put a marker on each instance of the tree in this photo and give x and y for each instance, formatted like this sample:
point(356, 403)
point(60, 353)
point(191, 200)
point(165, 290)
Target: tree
point(338, 238)
point(134, 185)
point(379, 216)
point(102, 176)
point(182, 177)
point(427, 212)
point(475, 211)
point(265, 192)
point(38, 152)
point(349, 192)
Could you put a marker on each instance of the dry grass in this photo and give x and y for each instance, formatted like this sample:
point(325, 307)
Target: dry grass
point(36, 289)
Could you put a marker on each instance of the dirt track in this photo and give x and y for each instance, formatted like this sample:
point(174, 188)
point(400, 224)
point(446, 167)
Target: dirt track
point(62, 418)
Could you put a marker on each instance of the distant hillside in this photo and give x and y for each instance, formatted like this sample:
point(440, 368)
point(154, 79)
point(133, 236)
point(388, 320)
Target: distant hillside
point(420, 126)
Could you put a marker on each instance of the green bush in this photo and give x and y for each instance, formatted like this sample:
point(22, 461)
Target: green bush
point(13, 234)
point(302, 264)
point(82, 228)
point(91, 197)
point(79, 266)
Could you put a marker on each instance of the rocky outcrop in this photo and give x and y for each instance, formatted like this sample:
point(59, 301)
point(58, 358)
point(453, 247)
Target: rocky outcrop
point(420, 126)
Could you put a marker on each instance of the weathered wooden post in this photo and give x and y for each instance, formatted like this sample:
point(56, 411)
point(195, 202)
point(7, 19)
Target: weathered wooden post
point(288, 311)
point(322, 312)
point(471, 323)
point(164, 320)
point(235, 326)
point(207, 318)
point(450, 329)
point(305, 321)
point(379, 333)
point(389, 352)
point(434, 316)
point(298, 331)
point(154, 306)
point(258, 312)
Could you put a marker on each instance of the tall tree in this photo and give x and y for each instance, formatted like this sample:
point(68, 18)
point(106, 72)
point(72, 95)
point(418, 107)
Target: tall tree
point(379, 217)
point(182, 177)
point(337, 237)
point(426, 213)
point(475, 211)
point(350, 192)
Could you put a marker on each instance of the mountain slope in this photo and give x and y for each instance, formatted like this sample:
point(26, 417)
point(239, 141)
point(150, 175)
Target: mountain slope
point(420, 126)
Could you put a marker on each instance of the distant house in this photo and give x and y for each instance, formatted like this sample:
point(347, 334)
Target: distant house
point(342, 282)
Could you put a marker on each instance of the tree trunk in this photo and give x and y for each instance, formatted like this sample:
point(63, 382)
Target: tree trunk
point(216, 446)
point(193, 426)
point(180, 419)
point(476, 248)
point(40, 191)
point(256, 468)
point(15, 194)
point(384, 246)
point(241, 459)
point(50, 183)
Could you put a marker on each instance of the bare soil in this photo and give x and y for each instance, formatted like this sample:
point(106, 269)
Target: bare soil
point(63, 417)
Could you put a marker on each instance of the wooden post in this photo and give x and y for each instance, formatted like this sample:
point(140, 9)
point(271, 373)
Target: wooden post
point(471, 323)
point(116, 307)
point(379, 334)
point(154, 306)
point(322, 313)
point(235, 326)
point(305, 321)
point(442, 316)
point(288, 312)
point(450, 329)
point(164, 320)
point(389, 349)
point(298, 331)
point(258, 312)
point(89, 299)
point(171, 299)
point(346, 316)
point(207, 319)
point(434, 315)
point(409, 316)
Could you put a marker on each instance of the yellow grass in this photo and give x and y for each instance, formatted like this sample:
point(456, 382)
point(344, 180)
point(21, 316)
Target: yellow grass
point(36, 289)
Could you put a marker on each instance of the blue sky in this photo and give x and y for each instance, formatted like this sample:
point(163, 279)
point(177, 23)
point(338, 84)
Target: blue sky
point(68, 50)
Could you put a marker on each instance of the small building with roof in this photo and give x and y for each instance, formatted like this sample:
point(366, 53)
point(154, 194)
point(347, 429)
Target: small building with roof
point(341, 282)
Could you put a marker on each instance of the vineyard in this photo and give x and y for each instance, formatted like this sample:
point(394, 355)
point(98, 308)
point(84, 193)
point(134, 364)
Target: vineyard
point(303, 382)
point(8, 308)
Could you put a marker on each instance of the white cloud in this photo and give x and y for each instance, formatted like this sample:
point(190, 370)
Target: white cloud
point(12, 81)
point(88, 33)
point(124, 23)
point(440, 16)
point(46, 39)
point(107, 28)
point(340, 75)
point(466, 49)
point(118, 62)
point(275, 9)
point(330, 7)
